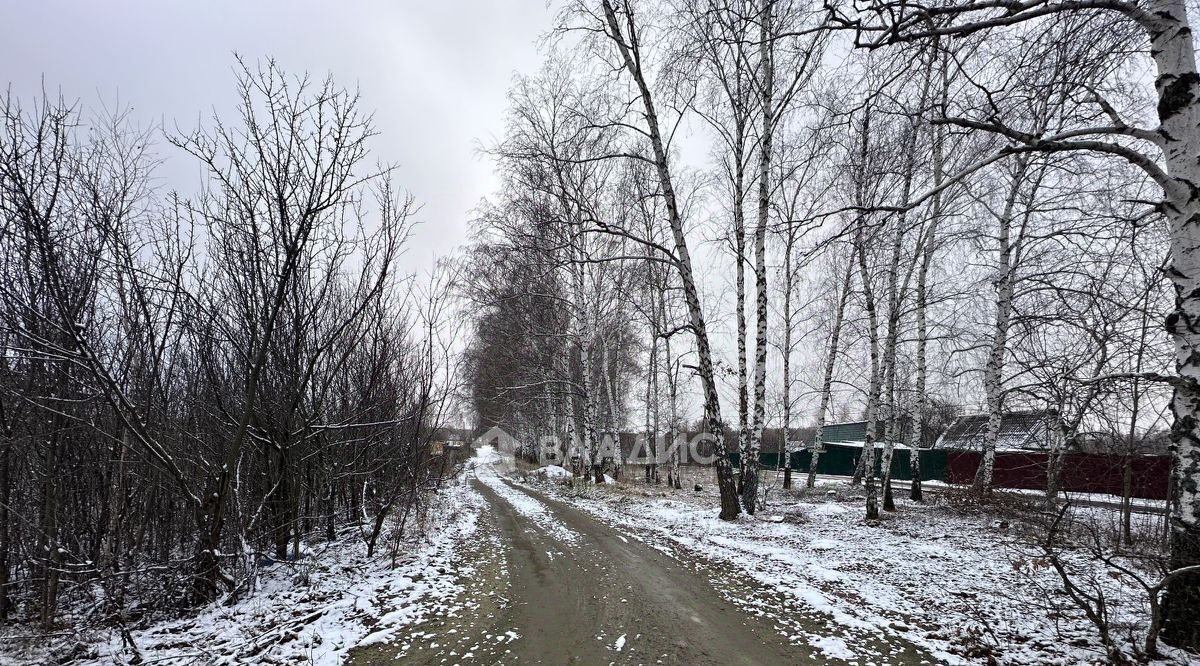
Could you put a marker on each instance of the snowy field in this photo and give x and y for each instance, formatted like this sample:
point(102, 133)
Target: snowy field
point(964, 583)
point(310, 612)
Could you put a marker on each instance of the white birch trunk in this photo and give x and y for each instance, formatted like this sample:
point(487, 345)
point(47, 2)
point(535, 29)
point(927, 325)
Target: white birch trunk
point(739, 235)
point(993, 370)
point(929, 243)
point(867, 459)
point(767, 63)
point(652, 407)
point(896, 297)
point(625, 40)
point(673, 409)
point(1178, 86)
point(1058, 442)
point(614, 422)
point(830, 364)
point(583, 341)
point(785, 447)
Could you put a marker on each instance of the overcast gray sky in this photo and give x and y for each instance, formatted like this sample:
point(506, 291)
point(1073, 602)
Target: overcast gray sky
point(435, 73)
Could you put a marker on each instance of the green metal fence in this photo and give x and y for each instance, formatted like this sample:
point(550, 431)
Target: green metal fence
point(841, 460)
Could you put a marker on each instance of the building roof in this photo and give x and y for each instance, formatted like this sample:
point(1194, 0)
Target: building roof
point(835, 433)
point(634, 443)
point(1106, 443)
point(854, 433)
point(1020, 431)
point(452, 434)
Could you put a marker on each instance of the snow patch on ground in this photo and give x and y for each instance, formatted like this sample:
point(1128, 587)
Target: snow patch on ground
point(947, 581)
point(552, 472)
point(313, 611)
point(832, 647)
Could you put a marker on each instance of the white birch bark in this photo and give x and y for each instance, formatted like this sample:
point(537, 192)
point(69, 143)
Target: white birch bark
point(993, 370)
point(1178, 85)
point(625, 39)
point(898, 293)
point(921, 409)
point(739, 235)
point(928, 244)
point(722, 32)
point(614, 416)
point(866, 461)
point(842, 297)
point(673, 411)
point(785, 447)
point(868, 455)
point(581, 332)
point(651, 451)
point(897, 290)
point(767, 88)
point(1058, 441)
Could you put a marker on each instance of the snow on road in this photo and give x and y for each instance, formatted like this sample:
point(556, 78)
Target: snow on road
point(486, 463)
point(952, 583)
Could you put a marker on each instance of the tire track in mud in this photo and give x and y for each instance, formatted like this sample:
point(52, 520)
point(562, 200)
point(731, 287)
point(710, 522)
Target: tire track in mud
point(607, 597)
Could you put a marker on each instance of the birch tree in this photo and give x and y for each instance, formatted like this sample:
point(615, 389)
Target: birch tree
point(715, 42)
point(800, 193)
point(841, 295)
point(866, 182)
point(620, 35)
point(1166, 153)
point(786, 61)
point(937, 74)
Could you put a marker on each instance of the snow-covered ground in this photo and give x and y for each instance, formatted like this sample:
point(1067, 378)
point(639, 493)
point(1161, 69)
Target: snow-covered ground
point(960, 583)
point(311, 612)
point(487, 466)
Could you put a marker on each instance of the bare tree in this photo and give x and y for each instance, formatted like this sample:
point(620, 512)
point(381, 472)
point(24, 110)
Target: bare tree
point(1163, 26)
point(187, 384)
point(617, 27)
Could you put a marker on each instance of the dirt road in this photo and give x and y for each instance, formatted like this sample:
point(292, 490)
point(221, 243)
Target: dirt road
point(594, 597)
